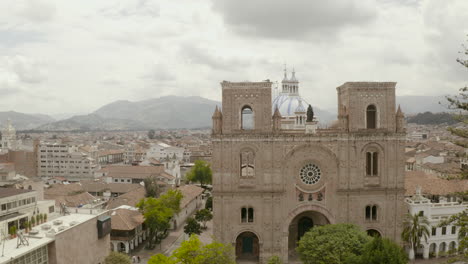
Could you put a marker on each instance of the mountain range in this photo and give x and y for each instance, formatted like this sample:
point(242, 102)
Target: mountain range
point(173, 112)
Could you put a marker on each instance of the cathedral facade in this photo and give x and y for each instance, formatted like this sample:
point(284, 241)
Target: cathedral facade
point(276, 175)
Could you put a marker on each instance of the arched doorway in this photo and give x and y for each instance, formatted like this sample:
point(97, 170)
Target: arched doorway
point(122, 247)
point(300, 225)
point(247, 246)
point(452, 247)
point(373, 233)
point(304, 224)
point(432, 250)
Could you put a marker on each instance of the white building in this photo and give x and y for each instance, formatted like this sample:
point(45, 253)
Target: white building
point(9, 141)
point(72, 238)
point(161, 151)
point(17, 206)
point(442, 239)
point(62, 160)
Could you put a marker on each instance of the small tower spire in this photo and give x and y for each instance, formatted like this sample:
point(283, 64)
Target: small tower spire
point(285, 78)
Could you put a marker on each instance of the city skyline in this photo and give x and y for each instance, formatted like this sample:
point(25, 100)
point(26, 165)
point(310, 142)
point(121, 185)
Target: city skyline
point(69, 57)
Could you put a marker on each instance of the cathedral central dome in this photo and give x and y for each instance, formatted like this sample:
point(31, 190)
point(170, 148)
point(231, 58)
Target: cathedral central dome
point(287, 104)
point(289, 100)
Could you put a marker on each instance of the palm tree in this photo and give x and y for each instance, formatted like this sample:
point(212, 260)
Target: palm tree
point(415, 227)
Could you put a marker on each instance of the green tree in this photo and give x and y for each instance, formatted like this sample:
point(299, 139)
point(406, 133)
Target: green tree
point(192, 251)
point(201, 173)
point(192, 227)
point(460, 102)
point(415, 228)
point(274, 260)
point(117, 258)
point(151, 134)
point(209, 203)
point(151, 186)
point(331, 244)
point(310, 114)
point(158, 213)
point(172, 199)
point(203, 215)
point(460, 220)
point(381, 250)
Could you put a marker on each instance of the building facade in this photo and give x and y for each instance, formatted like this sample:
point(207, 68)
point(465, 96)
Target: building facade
point(9, 141)
point(273, 181)
point(62, 160)
point(442, 241)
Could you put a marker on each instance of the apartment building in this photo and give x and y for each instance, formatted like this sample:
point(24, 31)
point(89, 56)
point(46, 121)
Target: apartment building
point(63, 160)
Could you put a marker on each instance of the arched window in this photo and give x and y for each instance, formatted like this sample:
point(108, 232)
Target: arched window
point(247, 118)
point(371, 117)
point(371, 212)
point(250, 215)
point(247, 215)
point(372, 163)
point(247, 163)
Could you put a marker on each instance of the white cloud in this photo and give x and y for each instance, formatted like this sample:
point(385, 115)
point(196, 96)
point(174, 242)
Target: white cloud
point(79, 55)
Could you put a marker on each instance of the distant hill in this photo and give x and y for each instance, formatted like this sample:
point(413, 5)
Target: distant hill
point(421, 104)
point(92, 122)
point(428, 118)
point(175, 112)
point(23, 121)
point(164, 112)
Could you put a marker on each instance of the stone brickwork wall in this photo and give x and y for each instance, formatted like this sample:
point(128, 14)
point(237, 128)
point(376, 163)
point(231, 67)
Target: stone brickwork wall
point(276, 192)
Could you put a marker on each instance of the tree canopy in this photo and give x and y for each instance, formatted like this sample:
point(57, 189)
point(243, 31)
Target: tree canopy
point(203, 215)
point(310, 114)
point(460, 102)
point(151, 134)
point(381, 250)
point(151, 186)
point(117, 258)
point(415, 228)
point(332, 244)
point(192, 251)
point(158, 213)
point(201, 173)
point(192, 227)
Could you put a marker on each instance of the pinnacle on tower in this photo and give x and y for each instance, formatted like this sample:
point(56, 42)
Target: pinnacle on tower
point(399, 112)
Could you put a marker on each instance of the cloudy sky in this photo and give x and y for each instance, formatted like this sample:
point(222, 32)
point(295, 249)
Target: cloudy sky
point(68, 56)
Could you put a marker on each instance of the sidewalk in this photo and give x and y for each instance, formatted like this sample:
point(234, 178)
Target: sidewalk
point(174, 235)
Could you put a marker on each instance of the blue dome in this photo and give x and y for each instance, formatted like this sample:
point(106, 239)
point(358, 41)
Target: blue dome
point(287, 104)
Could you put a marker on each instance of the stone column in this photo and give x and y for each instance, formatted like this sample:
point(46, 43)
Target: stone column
point(285, 247)
point(426, 252)
point(127, 248)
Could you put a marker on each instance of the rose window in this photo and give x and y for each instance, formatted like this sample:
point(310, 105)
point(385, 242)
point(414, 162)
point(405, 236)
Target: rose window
point(310, 174)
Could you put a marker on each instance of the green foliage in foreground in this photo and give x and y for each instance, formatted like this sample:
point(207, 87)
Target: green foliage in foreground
point(380, 250)
point(192, 251)
point(117, 258)
point(332, 244)
point(275, 260)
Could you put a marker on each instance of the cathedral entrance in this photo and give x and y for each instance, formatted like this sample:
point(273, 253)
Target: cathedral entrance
point(247, 246)
point(304, 225)
point(300, 225)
